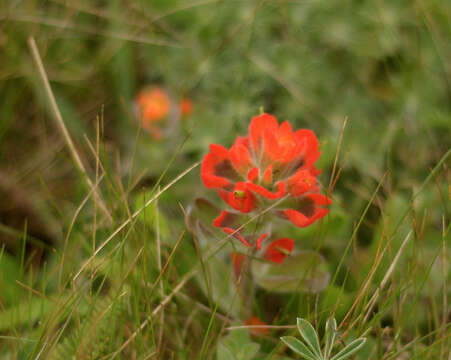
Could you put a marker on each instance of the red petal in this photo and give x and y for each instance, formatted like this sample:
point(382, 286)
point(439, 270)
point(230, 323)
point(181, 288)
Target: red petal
point(285, 131)
point(252, 174)
point(220, 151)
point(220, 219)
point(271, 150)
point(279, 249)
point(226, 219)
point(266, 193)
point(260, 240)
point(310, 151)
point(301, 182)
point(319, 199)
point(237, 235)
point(300, 220)
point(207, 172)
point(267, 175)
point(305, 210)
point(217, 169)
point(258, 126)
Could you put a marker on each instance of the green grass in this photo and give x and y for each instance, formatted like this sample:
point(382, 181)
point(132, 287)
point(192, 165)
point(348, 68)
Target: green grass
point(107, 269)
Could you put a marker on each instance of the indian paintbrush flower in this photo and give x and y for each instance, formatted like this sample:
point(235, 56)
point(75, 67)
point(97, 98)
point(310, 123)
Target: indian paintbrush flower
point(272, 167)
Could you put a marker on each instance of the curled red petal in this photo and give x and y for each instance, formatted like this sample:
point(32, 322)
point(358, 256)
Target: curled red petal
point(237, 235)
point(220, 219)
point(300, 220)
point(260, 240)
point(305, 210)
point(265, 192)
point(226, 219)
point(320, 199)
point(279, 249)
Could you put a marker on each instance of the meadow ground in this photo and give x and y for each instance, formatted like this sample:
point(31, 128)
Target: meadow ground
point(103, 251)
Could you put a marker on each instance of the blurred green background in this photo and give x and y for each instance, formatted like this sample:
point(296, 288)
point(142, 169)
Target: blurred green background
point(382, 65)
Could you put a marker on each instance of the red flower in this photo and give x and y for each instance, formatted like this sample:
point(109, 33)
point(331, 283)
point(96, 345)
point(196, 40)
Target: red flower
point(272, 162)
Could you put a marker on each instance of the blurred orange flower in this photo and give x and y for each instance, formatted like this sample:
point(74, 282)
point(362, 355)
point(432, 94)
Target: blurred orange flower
point(186, 107)
point(153, 104)
point(254, 320)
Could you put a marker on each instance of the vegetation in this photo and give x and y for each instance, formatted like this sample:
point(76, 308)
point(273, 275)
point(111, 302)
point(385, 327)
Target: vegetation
point(97, 256)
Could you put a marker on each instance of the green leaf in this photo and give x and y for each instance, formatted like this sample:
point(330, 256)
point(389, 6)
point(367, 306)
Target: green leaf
point(206, 210)
point(220, 286)
point(199, 219)
point(224, 353)
point(309, 335)
point(331, 328)
point(298, 347)
point(350, 349)
point(248, 351)
point(237, 346)
point(302, 270)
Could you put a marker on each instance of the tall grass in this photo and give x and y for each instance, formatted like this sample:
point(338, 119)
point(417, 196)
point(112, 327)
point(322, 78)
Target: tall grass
point(96, 260)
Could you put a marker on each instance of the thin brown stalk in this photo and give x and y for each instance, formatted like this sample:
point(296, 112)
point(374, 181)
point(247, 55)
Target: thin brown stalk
point(384, 281)
point(62, 126)
point(333, 180)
